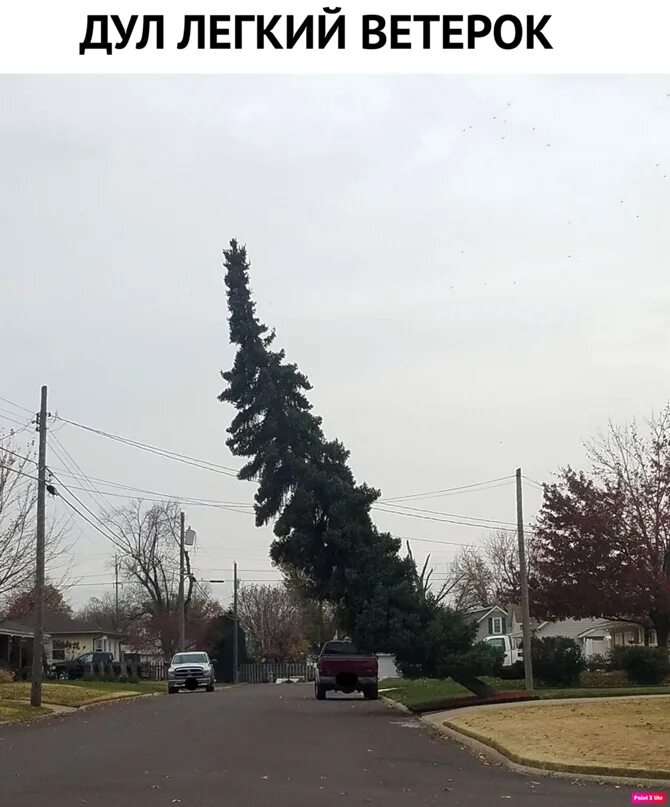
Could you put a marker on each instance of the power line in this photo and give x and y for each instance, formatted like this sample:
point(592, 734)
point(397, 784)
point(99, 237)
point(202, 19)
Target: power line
point(20, 473)
point(436, 541)
point(101, 583)
point(81, 515)
point(444, 520)
point(111, 535)
point(453, 515)
point(14, 432)
point(161, 452)
point(447, 490)
point(18, 406)
point(20, 456)
point(132, 488)
point(532, 481)
point(73, 463)
point(14, 420)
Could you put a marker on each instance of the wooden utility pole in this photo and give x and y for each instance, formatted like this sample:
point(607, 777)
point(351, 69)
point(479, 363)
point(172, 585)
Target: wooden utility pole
point(523, 572)
point(116, 590)
point(38, 635)
point(182, 612)
point(236, 667)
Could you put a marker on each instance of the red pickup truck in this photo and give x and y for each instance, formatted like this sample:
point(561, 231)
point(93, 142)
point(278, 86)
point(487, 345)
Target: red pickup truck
point(341, 668)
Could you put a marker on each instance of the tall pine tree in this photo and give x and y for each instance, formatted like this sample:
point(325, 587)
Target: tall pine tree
point(321, 514)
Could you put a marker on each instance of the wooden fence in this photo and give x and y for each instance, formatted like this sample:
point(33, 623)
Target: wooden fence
point(268, 673)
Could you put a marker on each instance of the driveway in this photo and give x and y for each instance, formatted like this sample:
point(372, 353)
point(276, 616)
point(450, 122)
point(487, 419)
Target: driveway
point(253, 746)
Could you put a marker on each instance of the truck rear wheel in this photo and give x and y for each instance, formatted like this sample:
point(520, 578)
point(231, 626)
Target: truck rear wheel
point(372, 693)
point(320, 692)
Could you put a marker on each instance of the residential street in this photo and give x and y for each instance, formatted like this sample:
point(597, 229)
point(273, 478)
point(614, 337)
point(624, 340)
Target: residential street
point(256, 746)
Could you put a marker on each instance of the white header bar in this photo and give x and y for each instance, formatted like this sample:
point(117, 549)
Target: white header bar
point(375, 37)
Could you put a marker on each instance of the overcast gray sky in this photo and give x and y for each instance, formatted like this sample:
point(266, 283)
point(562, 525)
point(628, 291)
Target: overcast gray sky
point(473, 273)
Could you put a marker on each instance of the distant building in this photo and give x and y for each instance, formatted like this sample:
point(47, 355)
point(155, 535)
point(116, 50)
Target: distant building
point(66, 638)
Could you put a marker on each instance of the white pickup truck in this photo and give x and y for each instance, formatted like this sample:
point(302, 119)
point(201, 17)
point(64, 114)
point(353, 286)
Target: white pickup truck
point(512, 653)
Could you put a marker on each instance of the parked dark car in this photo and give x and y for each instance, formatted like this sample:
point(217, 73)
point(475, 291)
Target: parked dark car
point(79, 666)
point(96, 663)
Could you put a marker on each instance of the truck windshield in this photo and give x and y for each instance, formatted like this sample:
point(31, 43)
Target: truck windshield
point(190, 658)
point(340, 649)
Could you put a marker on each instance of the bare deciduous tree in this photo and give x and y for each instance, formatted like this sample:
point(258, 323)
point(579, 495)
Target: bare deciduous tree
point(423, 581)
point(102, 611)
point(489, 574)
point(18, 510)
point(475, 584)
point(318, 617)
point(272, 622)
point(147, 539)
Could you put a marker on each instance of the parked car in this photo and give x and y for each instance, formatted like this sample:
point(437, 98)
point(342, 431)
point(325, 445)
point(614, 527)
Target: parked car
point(79, 666)
point(342, 668)
point(192, 670)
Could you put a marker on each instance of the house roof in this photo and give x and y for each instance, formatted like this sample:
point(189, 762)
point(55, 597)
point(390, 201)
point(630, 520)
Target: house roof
point(59, 624)
point(600, 629)
point(12, 627)
point(479, 614)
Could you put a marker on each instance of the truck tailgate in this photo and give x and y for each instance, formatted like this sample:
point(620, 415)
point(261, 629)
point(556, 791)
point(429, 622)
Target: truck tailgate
point(363, 666)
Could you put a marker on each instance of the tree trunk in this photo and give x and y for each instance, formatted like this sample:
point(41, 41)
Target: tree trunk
point(477, 687)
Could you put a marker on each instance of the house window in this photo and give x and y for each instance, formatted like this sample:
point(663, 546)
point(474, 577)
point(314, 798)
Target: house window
point(496, 625)
point(97, 645)
point(58, 650)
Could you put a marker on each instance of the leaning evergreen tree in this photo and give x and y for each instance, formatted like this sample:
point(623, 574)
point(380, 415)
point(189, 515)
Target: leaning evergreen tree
point(322, 523)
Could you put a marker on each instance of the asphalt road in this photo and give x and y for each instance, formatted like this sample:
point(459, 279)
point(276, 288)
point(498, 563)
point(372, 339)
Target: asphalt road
point(255, 746)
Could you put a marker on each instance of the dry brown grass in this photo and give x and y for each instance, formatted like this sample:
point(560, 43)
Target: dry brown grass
point(17, 712)
point(626, 735)
point(60, 694)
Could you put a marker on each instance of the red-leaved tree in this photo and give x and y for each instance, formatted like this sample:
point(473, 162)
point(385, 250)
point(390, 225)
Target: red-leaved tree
point(603, 538)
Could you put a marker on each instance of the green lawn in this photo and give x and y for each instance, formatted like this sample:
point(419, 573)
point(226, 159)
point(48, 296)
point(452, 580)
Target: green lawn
point(78, 693)
point(415, 693)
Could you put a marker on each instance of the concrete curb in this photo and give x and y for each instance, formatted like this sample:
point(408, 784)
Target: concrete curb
point(499, 755)
point(395, 705)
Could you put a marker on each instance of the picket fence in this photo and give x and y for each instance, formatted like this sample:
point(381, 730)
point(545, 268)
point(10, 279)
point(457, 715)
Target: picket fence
point(268, 673)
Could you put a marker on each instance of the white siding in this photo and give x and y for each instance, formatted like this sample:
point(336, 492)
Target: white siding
point(568, 627)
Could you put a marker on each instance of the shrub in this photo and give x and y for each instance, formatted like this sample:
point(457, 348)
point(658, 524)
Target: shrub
point(645, 665)
point(514, 672)
point(123, 678)
point(6, 676)
point(614, 657)
point(482, 659)
point(557, 660)
point(597, 663)
point(601, 679)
